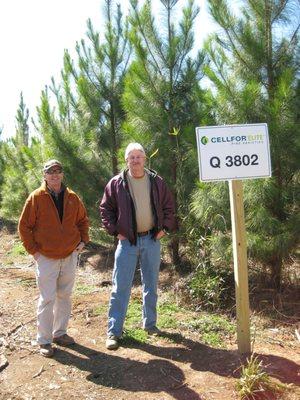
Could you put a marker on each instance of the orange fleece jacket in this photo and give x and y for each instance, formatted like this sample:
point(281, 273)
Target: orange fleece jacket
point(41, 230)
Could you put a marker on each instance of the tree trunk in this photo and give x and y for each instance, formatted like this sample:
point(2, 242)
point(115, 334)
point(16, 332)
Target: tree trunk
point(174, 251)
point(175, 241)
point(276, 273)
point(114, 158)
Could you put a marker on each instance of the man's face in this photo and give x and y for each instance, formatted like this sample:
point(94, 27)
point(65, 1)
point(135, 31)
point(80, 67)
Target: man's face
point(54, 176)
point(136, 161)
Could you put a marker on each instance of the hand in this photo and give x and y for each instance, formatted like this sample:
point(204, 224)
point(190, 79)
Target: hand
point(159, 235)
point(80, 247)
point(121, 237)
point(36, 255)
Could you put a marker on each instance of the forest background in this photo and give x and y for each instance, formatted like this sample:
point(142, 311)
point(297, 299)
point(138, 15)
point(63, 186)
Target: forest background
point(143, 81)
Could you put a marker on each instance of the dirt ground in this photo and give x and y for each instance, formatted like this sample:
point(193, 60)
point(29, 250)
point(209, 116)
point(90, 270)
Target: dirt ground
point(175, 366)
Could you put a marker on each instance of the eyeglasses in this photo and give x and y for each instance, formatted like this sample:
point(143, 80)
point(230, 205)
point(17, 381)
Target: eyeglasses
point(137, 158)
point(54, 171)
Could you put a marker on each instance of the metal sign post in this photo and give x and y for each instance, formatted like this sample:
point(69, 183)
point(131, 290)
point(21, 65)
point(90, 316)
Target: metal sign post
point(235, 152)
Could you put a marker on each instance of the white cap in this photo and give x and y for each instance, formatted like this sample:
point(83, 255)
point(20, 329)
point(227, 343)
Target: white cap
point(133, 146)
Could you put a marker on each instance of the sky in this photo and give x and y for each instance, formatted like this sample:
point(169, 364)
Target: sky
point(33, 36)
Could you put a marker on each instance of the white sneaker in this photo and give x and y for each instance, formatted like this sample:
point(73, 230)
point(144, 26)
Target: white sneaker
point(112, 342)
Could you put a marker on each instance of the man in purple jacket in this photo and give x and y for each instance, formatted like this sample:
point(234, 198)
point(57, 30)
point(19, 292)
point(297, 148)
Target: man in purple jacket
point(137, 208)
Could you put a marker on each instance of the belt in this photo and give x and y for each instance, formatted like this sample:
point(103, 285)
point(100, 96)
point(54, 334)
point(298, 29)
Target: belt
point(144, 233)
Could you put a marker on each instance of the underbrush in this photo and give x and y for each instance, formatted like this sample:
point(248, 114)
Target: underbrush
point(255, 383)
point(17, 250)
point(211, 329)
point(15, 253)
point(212, 288)
point(207, 288)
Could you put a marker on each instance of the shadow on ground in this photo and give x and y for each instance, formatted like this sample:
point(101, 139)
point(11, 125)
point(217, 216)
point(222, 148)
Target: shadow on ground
point(10, 226)
point(112, 371)
point(220, 361)
point(161, 374)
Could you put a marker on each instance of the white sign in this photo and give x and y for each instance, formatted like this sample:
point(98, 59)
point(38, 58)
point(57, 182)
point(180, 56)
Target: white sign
point(233, 152)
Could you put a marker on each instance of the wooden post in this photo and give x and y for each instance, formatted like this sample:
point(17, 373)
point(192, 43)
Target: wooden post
point(240, 265)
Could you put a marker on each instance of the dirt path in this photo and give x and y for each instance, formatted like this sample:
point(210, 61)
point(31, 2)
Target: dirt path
point(176, 366)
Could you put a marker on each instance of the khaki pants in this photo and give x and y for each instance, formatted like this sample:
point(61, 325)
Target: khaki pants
point(55, 280)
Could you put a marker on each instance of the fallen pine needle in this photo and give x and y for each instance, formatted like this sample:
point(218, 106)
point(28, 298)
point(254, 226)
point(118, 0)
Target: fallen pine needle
point(40, 372)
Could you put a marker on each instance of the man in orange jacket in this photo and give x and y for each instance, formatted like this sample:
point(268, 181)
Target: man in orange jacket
point(54, 228)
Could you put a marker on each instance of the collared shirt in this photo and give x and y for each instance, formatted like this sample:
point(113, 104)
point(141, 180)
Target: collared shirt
point(58, 199)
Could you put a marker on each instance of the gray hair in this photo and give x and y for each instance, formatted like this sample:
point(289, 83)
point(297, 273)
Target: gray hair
point(133, 146)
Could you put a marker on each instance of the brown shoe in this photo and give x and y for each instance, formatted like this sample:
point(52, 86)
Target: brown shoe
point(46, 350)
point(154, 331)
point(64, 340)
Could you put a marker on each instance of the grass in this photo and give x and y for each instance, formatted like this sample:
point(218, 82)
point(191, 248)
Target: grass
point(26, 282)
point(99, 310)
point(255, 381)
point(131, 336)
point(168, 315)
point(16, 253)
point(212, 328)
point(167, 319)
point(133, 332)
point(84, 289)
point(134, 314)
point(17, 250)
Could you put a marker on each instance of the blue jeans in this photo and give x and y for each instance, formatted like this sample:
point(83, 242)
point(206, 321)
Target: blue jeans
point(126, 257)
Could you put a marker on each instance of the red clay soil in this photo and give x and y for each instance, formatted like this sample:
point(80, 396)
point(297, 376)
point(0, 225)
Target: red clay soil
point(175, 366)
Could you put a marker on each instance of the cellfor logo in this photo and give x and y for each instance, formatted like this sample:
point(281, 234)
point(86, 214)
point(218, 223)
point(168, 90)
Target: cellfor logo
point(204, 140)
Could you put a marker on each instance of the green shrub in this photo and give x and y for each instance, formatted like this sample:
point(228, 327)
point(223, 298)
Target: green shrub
point(208, 286)
point(18, 249)
point(213, 329)
point(255, 381)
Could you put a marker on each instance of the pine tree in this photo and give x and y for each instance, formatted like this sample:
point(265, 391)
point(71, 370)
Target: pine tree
point(254, 67)
point(22, 128)
point(100, 80)
point(1, 164)
point(22, 165)
point(162, 95)
point(84, 130)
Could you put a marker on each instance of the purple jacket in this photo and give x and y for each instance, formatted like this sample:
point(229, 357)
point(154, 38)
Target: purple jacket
point(118, 212)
